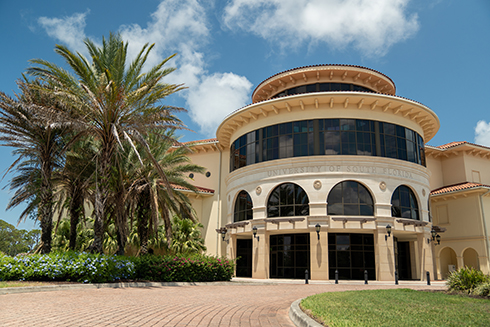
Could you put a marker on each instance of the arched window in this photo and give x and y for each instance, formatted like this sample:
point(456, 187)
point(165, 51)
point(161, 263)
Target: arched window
point(243, 207)
point(288, 200)
point(404, 203)
point(350, 198)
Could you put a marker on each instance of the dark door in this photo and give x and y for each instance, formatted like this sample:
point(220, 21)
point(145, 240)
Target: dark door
point(244, 255)
point(404, 262)
point(289, 255)
point(351, 254)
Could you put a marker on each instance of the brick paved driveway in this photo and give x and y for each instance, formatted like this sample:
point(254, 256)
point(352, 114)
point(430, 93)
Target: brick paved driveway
point(203, 305)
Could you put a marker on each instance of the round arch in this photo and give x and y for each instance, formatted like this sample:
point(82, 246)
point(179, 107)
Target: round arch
point(470, 258)
point(404, 203)
point(448, 261)
point(288, 199)
point(350, 198)
point(243, 207)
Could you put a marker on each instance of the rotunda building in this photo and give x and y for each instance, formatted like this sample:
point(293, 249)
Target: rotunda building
point(325, 171)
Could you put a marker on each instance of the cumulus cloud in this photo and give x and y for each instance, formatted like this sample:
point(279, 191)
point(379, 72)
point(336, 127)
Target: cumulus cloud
point(177, 26)
point(68, 30)
point(482, 133)
point(371, 26)
point(182, 27)
point(215, 96)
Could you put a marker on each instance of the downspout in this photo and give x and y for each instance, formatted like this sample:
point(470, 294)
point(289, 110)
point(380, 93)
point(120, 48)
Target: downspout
point(219, 197)
point(485, 228)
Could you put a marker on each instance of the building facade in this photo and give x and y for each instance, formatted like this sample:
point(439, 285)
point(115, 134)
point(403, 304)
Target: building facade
point(327, 171)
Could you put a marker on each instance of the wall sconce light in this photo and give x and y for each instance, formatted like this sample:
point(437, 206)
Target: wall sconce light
point(388, 231)
point(222, 231)
point(317, 228)
point(254, 231)
point(435, 238)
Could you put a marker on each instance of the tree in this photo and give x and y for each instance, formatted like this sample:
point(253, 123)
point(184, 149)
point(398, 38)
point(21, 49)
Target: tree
point(14, 241)
point(150, 195)
point(186, 236)
point(39, 145)
point(112, 101)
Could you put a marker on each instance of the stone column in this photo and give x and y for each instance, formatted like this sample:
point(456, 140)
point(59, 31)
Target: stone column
point(260, 250)
point(425, 254)
point(385, 256)
point(460, 261)
point(319, 255)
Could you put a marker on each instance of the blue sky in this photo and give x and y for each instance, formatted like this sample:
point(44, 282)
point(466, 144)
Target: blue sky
point(436, 51)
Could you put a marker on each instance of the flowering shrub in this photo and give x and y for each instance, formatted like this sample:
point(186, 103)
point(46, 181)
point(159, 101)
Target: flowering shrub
point(97, 268)
point(67, 266)
point(196, 268)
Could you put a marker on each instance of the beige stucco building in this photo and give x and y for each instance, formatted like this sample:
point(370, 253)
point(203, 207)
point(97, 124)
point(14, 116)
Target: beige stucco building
point(327, 171)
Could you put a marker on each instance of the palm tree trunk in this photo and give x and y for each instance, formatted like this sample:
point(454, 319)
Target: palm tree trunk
point(143, 213)
point(101, 197)
point(121, 223)
point(76, 211)
point(45, 210)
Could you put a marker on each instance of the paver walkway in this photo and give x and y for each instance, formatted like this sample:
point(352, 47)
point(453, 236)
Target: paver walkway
point(232, 304)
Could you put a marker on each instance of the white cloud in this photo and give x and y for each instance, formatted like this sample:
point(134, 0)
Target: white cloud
point(182, 27)
point(371, 26)
point(216, 96)
point(176, 26)
point(482, 133)
point(68, 30)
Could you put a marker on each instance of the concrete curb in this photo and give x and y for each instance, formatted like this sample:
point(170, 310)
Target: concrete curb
point(299, 318)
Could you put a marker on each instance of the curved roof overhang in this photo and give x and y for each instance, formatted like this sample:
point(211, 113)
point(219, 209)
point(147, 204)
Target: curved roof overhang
point(357, 75)
point(416, 112)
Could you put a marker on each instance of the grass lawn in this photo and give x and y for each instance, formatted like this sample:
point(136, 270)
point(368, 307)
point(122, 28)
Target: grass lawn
point(398, 307)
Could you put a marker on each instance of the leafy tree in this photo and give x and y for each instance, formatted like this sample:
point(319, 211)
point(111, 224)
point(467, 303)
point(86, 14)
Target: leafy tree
point(113, 101)
point(14, 241)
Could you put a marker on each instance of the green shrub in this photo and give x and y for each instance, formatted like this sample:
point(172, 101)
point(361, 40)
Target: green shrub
point(482, 289)
point(466, 279)
point(96, 268)
point(196, 268)
point(67, 266)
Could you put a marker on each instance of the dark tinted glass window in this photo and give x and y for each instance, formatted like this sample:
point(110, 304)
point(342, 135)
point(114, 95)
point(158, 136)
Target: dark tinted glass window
point(350, 198)
point(288, 200)
point(243, 207)
point(329, 137)
point(404, 203)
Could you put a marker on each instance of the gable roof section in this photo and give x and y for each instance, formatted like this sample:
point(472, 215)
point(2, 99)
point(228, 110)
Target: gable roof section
point(458, 188)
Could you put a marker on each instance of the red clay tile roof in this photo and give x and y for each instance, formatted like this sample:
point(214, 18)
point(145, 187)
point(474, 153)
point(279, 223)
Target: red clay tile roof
point(323, 65)
point(199, 189)
point(201, 141)
point(451, 145)
point(457, 187)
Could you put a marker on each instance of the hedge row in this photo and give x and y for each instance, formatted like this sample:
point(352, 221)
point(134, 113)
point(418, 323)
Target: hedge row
point(96, 268)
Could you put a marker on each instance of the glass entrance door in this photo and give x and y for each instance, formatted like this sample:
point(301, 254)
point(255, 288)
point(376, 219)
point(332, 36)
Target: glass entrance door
point(289, 255)
point(244, 255)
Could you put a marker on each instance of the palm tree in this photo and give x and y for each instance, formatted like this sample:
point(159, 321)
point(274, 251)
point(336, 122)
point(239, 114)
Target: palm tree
point(113, 102)
point(38, 145)
point(74, 183)
point(150, 195)
point(187, 236)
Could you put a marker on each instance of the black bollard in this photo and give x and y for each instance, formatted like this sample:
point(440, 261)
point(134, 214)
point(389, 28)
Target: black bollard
point(306, 276)
point(428, 278)
point(396, 277)
point(365, 277)
point(336, 276)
